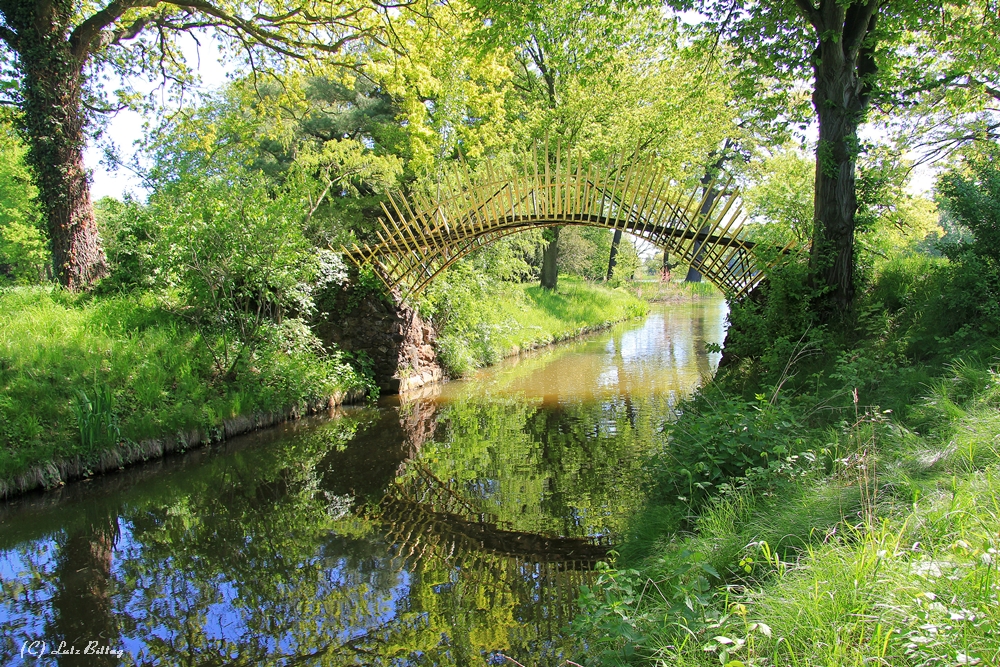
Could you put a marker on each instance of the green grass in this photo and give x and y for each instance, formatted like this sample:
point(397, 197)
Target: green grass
point(675, 290)
point(60, 351)
point(874, 539)
point(487, 322)
point(886, 554)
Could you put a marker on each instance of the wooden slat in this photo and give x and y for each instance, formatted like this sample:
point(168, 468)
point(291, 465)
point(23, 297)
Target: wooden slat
point(419, 238)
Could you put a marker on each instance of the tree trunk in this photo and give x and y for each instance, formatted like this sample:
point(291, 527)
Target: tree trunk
point(844, 68)
point(693, 275)
point(707, 184)
point(82, 605)
point(836, 202)
point(550, 260)
point(838, 111)
point(52, 85)
point(613, 257)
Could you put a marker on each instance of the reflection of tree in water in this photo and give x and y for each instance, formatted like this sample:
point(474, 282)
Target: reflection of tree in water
point(698, 339)
point(82, 605)
point(428, 535)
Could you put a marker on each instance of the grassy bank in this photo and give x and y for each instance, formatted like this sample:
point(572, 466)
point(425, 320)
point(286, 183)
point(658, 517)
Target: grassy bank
point(675, 290)
point(837, 504)
point(80, 376)
point(481, 322)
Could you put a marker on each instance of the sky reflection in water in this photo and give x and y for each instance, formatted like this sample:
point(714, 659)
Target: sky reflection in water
point(450, 529)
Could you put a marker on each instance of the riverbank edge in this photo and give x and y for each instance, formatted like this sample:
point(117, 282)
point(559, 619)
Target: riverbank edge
point(62, 471)
point(57, 472)
point(677, 298)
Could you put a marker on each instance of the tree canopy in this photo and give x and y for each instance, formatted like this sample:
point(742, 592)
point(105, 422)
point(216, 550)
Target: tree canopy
point(58, 49)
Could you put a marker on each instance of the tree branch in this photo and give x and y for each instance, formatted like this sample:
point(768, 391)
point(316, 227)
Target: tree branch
point(84, 35)
point(867, 65)
point(859, 21)
point(810, 12)
point(8, 36)
point(131, 32)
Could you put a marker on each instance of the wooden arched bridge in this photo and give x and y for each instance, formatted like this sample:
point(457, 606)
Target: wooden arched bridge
point(421, 236)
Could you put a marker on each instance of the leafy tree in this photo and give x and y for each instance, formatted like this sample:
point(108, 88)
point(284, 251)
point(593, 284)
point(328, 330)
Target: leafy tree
point(846, 47)
point(57, 49)
point(782, 194)
point(948, 80)
point(611, 80)
point(320, 137)
point(449, 95)
point(24, 256)
point(889, 220)
point(971, 194)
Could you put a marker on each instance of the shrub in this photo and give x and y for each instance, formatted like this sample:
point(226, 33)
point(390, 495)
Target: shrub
point(24, 248)
point(240, 258)
point(130, 233)
point(722, 438)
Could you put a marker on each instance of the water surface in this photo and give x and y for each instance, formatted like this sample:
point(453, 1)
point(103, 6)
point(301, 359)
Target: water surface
point(450, 529)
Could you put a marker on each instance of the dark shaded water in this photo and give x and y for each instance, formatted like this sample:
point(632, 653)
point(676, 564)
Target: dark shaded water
point(455, 528)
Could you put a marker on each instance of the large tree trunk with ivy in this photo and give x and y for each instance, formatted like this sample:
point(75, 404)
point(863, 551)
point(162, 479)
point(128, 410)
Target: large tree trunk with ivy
point(54, 123)
point(843, 64)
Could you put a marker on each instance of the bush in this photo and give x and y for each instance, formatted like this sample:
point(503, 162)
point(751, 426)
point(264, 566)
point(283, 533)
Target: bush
point(240, 259)
point(24, 247)
point(777, 321)
point(130, 234)
point(972, 195)
point(722, 438)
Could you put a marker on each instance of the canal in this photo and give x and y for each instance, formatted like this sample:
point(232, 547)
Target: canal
point(450, 528)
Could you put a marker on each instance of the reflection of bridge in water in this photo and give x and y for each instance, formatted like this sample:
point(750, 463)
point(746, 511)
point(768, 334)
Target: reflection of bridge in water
point(434, 525)
point(427, 516)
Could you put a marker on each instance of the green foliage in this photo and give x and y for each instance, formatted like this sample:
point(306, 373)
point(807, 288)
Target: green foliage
point(584, 252)
point(890, 222)
point(627, 263)
point(972, 195)
point(777, 323)
point(320, 140)
point(723, 438)
point(24, 251)
point(160, 375)
point(482, 319)
point(600, 75)
point(948, 71)
point(940, 307)
point(782, 196)
point(131, 235)
point(239, 257)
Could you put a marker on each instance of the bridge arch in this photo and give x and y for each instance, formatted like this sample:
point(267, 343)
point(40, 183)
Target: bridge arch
point(421, 236)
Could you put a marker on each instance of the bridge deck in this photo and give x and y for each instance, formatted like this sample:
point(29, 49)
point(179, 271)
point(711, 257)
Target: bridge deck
point(422, 236)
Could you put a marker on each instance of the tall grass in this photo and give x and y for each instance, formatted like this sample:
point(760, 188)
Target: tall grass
point(78, 374)
point(873, 541)
point(883, 551)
